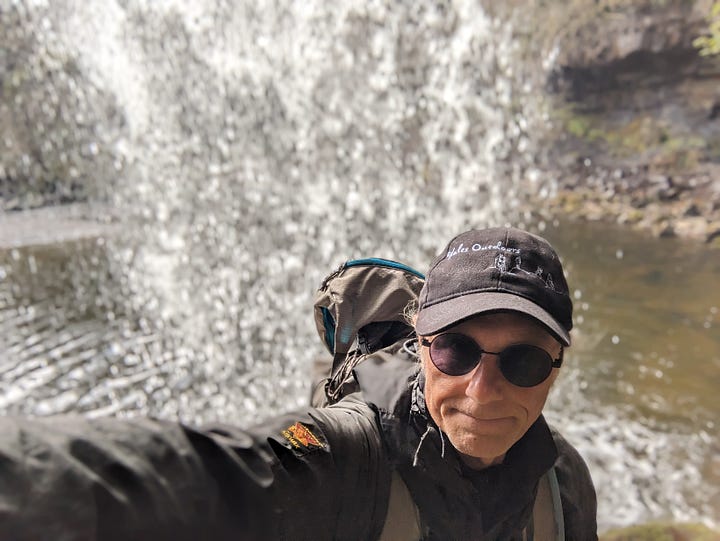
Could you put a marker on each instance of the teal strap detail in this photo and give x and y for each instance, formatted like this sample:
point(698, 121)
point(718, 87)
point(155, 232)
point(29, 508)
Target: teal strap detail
point(384, 263)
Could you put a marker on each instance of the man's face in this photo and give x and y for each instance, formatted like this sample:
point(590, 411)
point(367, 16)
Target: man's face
point(481, 412)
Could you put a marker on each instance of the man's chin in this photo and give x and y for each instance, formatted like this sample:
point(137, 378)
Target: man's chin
point(481, 451)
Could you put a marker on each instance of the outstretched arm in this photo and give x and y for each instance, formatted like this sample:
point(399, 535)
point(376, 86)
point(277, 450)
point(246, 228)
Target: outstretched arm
point(73, 479)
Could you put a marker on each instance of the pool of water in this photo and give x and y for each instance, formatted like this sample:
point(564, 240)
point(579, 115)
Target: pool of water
point(641, 395)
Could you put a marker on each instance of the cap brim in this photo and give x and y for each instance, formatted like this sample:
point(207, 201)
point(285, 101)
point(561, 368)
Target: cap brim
point(438, 317)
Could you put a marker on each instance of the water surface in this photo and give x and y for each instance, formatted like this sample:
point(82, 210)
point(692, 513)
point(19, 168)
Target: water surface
point(642, 392)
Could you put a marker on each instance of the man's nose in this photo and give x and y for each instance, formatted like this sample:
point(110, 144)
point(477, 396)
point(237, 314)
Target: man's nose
point(486, 380)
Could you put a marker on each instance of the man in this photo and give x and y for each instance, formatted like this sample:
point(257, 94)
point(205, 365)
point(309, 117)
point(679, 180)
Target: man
point(452, 447)
point(494, 318)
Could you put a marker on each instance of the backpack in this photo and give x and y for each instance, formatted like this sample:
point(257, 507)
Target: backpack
point(359, 309)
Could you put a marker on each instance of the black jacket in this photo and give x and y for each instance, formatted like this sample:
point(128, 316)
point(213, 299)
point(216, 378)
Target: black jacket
point(322, 474)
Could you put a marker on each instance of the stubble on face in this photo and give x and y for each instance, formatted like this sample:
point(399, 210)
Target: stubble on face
point(481, 412)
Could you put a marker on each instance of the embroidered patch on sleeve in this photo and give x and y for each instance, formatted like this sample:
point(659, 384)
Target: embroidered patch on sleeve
point(301, 438)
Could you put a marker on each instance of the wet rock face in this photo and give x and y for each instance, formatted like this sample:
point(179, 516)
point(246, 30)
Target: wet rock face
point(611, 34)
point(634, 102)
point(624, 58)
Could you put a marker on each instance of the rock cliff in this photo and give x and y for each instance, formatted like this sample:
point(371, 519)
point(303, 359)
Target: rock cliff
point(635, 111)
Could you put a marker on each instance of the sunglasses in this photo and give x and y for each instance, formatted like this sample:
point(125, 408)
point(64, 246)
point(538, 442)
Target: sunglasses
point(523, 365)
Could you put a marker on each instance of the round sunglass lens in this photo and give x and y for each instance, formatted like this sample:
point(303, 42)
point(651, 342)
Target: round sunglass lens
point(454, 354)
point(525, 365)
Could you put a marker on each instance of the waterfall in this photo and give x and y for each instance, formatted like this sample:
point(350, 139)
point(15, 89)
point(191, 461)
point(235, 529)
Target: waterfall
point(245, 150)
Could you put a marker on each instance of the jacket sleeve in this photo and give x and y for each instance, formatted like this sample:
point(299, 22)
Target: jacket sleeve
point(297, 476)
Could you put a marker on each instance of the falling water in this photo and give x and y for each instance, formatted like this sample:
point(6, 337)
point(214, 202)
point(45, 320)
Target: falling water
point(245, 151)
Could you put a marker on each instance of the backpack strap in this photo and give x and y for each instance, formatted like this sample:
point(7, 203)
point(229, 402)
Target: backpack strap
point(547, 522)
point(402, 522)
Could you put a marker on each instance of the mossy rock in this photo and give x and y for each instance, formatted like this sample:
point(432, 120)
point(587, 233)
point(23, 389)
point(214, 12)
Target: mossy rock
point(663, 532)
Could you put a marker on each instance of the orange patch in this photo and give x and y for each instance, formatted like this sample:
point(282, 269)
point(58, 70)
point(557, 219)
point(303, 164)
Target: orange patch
point(300, 437)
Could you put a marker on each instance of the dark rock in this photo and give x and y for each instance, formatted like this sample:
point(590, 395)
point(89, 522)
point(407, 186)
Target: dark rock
point(664, 230)
point(638, 201)
point(692, 210)
point(668, 194)
point(713, 234)
point(714, 111)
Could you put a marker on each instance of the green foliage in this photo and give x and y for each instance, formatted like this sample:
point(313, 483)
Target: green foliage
point(709, 44)
point(637, 134)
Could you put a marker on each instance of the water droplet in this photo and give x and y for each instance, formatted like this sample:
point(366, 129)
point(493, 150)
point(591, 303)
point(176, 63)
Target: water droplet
point(32, 264)
point(615, 339)
point(577, 294)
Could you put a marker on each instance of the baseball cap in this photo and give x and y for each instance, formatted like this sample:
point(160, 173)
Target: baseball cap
point(496, 269)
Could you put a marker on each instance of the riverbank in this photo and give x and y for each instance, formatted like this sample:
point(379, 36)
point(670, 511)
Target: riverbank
point(685, 205)
point(663, 532)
